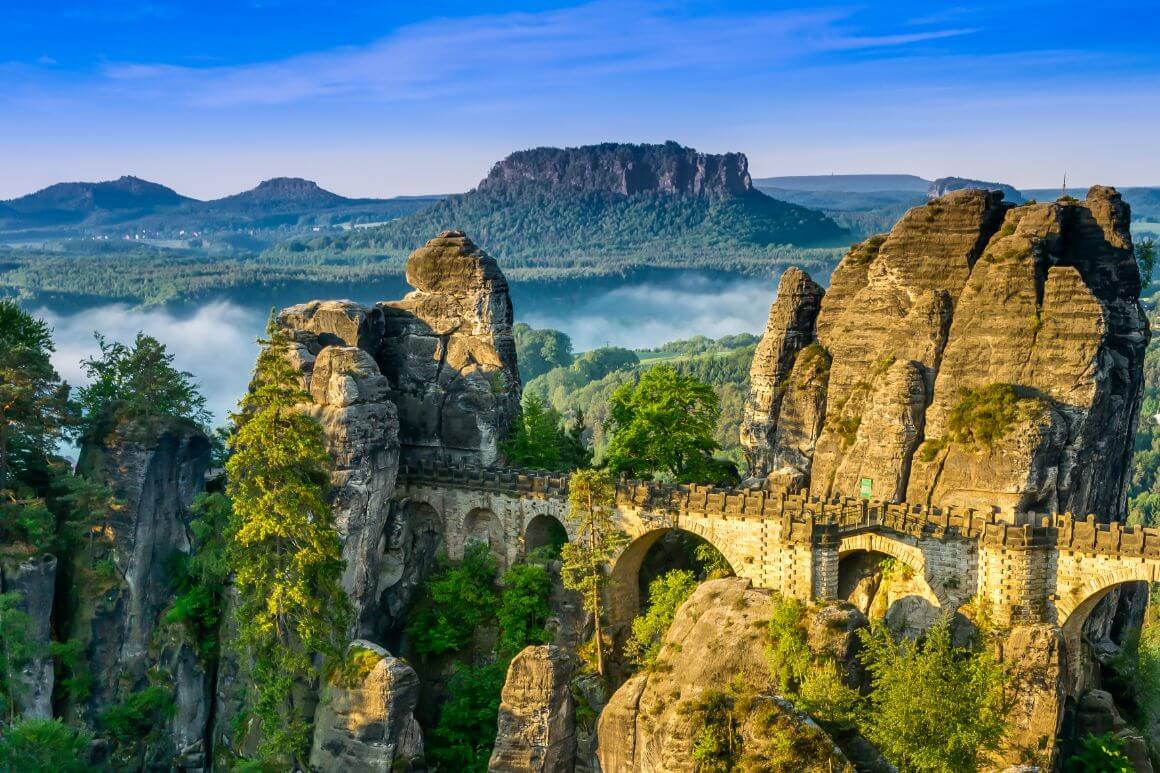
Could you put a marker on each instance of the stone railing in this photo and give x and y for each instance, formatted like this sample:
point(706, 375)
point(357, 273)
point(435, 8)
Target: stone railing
point(839, 516)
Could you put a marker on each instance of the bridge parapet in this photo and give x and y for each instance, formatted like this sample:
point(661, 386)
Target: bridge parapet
point(809, 518)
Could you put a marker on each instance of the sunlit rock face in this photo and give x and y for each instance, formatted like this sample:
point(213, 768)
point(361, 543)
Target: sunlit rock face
point(970, 307)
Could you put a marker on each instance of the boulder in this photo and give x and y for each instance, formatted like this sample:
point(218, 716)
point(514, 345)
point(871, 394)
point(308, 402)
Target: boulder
point(537, 722)
point(714, 651)
point(365, 719)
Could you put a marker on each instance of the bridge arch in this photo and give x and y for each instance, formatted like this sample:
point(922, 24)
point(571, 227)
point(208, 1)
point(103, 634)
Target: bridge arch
point(481, 524)
point(1074, 605)
point(544, 530)
point(623, 597)
point(860, 557)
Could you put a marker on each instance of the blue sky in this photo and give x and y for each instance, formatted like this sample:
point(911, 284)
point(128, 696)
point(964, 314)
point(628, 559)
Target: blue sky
point(395, 98)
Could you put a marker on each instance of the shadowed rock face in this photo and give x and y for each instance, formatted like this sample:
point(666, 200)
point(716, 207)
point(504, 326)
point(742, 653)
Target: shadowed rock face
point(537, 721)
point(966, 293)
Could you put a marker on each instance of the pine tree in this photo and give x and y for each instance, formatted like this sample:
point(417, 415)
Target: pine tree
point(286, 553)
point(591, 512)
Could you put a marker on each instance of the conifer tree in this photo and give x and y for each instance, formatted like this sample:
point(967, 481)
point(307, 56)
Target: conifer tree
point(591, 511)
point(287, 558)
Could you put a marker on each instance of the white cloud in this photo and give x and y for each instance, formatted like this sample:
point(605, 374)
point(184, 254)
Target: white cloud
point(444, 58)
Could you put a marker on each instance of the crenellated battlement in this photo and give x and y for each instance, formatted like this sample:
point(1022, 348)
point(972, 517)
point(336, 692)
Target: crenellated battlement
point(1038, 568)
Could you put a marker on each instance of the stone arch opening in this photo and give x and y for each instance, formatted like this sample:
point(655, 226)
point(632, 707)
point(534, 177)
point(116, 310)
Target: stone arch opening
point(645, 558)
point(483, 526)
point(889, 585)
point(1087, 616)
point(545, 532)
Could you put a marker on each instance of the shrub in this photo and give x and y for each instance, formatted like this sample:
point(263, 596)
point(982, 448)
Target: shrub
point(523, 607)
point(464, 735)
point(920, 685)
point(1099, 754)
point(456, 599)
point(137, 719)
point(665, 595)
point(984, 415)
point(47, 745)
point(354, 667)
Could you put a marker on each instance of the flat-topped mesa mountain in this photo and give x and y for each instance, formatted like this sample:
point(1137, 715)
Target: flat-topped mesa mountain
point(604, 209)
point(980, 354)
point(944, 185)
point(625, 169)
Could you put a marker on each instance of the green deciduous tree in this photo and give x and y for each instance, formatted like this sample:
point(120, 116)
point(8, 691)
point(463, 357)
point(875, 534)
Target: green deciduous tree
point(33, 401)
point(456, 599)
point(591, 512)
point(15, 650)
point(539, 351)
point(934, 706)
point(137, 381)
point(663, 425)
point(1145, 250)
point(464, 735)
point(286, 554)
point(524, 606)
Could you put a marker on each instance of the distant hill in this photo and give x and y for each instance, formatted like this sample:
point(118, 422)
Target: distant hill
point(66, 203)
point(846, 183)
point(602, 208)
point(275, 209)
point(1144, 200)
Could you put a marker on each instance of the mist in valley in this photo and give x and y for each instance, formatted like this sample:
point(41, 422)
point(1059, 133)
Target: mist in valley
point(216, 341)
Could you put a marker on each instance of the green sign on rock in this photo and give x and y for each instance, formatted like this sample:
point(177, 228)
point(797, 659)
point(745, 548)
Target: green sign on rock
point(866, 488)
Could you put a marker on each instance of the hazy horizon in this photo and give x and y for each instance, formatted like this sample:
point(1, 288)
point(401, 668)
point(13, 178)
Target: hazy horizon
point(386, 99)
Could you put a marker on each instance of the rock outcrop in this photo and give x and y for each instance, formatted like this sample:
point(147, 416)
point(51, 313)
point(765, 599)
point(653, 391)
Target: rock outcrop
point(365, 720)
point(537, 721)
point(944, 185)
point(33, 578)
point(716, 643)
point(625, 169)
point(154, 468)
point(789, 330)
point(980, 354)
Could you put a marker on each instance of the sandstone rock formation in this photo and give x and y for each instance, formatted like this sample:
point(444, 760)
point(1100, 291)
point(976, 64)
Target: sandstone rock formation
point(789, 330)
point(430, 376)
point(34, 578)
point(969, 308)
point(154, 469)
point(626, 169)
point(365, 721)
point(944, 185)
point(716, 640)
point(537, 722)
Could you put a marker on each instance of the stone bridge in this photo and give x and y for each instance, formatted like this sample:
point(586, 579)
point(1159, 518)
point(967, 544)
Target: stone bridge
point(1054, 570)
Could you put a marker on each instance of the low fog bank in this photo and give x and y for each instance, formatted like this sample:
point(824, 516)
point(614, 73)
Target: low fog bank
point(648, 314)
point(216, 342)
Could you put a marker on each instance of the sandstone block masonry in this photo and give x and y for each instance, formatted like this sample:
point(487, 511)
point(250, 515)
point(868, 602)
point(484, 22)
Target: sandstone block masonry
point(1050, 569)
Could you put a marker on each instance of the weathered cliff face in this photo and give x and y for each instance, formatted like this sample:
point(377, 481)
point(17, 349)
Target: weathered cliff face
point(970, 308)
point(431, 376)
point(154, 470)
point(34, 578)
point(789, 330)
point(716, 640)
point(365, 721)
point(625, 169)
point(537, 720)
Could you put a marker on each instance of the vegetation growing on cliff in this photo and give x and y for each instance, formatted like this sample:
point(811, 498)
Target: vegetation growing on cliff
point(539, 439)
point(285, 550)
point(130, 382)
